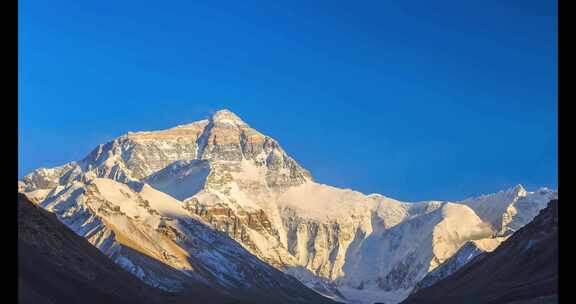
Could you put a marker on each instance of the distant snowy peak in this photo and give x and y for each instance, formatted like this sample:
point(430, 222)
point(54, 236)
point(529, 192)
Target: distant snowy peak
point(510, 209)
point(499, 197)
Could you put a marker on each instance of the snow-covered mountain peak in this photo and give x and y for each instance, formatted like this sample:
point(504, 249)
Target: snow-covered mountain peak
point(223, 139)
point(518, 190)
point(225, 116)
point(546, 191)
point(498, 198)
point(510, 209)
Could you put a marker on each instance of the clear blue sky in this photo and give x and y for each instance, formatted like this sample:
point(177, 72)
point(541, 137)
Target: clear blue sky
point(412, 99)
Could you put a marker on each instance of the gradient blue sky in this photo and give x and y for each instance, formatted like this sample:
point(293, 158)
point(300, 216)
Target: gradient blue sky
point(412, 99)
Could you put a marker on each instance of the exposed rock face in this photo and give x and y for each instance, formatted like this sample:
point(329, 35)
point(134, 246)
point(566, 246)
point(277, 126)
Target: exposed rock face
point(240, 225)
point(242, 183)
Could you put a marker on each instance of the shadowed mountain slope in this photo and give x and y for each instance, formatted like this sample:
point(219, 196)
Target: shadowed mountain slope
point(57, 266)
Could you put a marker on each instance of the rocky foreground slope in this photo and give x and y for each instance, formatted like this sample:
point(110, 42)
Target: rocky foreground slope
point(524, 269)
point(165, 193)
point(57, 266)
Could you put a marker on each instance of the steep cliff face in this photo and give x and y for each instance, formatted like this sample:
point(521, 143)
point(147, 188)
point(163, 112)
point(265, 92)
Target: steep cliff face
point(236, 180)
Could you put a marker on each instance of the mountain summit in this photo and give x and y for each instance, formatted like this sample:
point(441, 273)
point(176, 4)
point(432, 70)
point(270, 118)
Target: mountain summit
point(168, 192)
point(137, 155)
point(226, 117)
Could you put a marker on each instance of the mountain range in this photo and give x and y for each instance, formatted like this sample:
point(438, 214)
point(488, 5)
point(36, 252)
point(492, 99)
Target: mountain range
point(216, 203)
